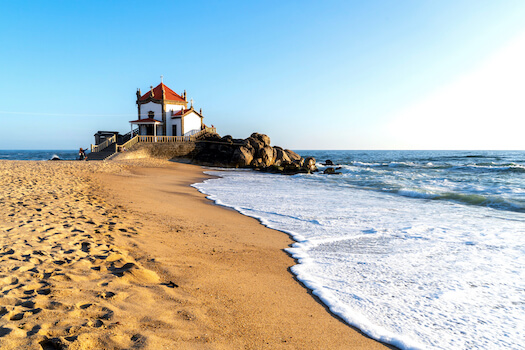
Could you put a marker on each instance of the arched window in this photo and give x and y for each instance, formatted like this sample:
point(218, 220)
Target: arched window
point(151, 114)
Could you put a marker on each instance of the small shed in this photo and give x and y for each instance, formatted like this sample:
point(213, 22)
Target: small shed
point(102, 136)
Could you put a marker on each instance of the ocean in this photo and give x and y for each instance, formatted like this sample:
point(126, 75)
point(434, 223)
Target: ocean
point(38, 154)
point(419, 249)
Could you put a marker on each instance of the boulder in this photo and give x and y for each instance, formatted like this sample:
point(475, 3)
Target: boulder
point(256, 144)
point(292, 155)
point(298, 162)
point(209, 136)
point(291, 169)
point(227, 139)
point(280, 157)
point(258, 163)
point(331, 171)
point(242, 157)
point(276, 169)
point(254, 151)
point(266, 154)
point(262, 138)
point(309, 164)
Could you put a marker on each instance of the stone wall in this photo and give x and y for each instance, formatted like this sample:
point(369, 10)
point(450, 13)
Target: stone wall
point(159, 151)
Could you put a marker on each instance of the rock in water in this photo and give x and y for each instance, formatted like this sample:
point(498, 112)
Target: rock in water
point(331, 171)
point(309, 164)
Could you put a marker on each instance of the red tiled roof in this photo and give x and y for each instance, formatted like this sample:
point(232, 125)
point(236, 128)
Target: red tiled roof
point(180, 112)
point(157, 94)
point(145, 121)
point(185, 111)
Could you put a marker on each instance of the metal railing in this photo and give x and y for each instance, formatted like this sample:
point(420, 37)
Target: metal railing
point(129, 135)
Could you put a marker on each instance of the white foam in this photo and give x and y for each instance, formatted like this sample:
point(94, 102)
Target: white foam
point(415, 273)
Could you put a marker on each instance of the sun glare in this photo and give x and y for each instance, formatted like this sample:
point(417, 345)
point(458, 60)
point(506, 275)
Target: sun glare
point(484, 109)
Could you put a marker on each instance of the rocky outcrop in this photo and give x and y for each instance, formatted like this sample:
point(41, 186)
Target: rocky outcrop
point(242, 156)
point(331, 171)
point(253, 152)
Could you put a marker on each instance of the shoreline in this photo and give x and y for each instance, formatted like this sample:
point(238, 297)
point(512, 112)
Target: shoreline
point(309, 290)
point(336, 333)
point(127, 254)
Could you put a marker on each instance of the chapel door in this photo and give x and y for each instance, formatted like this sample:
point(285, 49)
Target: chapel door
point(149, 129)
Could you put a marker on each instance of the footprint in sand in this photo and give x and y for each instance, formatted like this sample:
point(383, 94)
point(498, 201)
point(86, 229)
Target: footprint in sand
point(3, 311)
point(85, 247)
point(44, 291)
point(16, 316)
point(56, 249)
point(106, 295)
point(4, 331)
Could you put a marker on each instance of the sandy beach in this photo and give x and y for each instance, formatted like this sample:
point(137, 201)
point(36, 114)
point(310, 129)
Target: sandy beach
point(126, 255)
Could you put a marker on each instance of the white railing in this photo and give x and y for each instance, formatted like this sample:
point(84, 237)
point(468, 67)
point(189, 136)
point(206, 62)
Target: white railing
point(193, 132)
point(128, 144)
point(212, 130)
point(168, 139)
point(163, 139)
point(101, 146)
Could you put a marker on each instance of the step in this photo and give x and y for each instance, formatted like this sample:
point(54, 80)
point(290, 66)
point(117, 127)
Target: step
point(99, 155)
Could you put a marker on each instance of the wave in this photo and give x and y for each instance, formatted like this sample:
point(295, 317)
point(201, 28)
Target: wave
point(512, 167)
point(421, 191)
point(351, 243)
point(489, 201)
point(477, 167)
point(467, 156)
point(477, 156)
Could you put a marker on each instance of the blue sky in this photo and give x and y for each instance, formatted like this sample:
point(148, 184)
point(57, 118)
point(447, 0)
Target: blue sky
point(310, 74)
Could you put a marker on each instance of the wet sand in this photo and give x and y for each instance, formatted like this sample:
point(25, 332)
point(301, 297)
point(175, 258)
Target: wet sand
point(123, 255)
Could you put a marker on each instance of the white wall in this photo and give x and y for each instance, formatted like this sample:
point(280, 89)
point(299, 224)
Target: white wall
point(176, 121)
point(150, 106)
point(170, 108)
point(170, 122)
point(192, 122)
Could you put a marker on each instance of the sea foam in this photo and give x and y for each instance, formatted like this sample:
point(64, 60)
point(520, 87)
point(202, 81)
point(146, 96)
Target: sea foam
point(414, 272)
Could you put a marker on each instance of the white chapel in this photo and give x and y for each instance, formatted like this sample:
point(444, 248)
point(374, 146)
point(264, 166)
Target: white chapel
point(163, 112)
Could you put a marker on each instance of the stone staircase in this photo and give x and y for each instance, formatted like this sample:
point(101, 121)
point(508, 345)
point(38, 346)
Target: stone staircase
point(103, 154)
point(115, 144)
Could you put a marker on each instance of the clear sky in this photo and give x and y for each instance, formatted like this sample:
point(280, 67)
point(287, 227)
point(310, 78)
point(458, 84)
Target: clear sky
point(374, 74)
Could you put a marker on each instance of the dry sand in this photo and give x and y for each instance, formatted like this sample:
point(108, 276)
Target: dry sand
point(126, 255)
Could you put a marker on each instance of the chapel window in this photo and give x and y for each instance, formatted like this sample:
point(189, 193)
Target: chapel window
point(151, 114)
